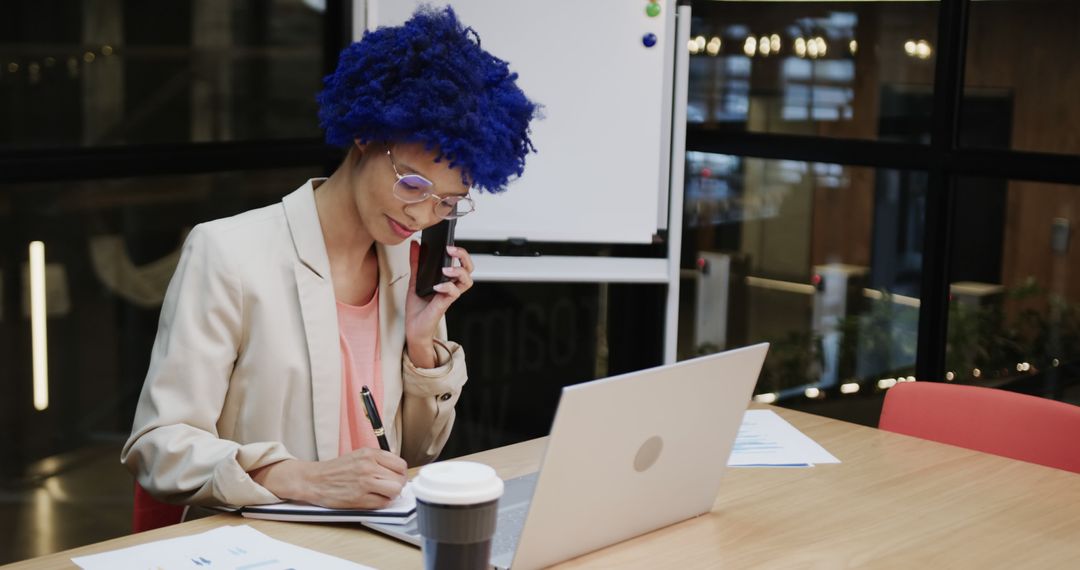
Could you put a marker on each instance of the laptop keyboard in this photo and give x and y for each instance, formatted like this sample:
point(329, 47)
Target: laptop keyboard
point(513, 508)
point(508, 528)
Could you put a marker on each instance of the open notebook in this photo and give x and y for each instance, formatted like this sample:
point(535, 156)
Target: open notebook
point(400, 511)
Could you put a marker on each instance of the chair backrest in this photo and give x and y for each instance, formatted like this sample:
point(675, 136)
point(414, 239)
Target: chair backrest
point(150, 513)
point(1004, 423)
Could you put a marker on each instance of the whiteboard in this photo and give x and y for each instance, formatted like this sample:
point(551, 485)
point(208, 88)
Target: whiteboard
point(601, 171)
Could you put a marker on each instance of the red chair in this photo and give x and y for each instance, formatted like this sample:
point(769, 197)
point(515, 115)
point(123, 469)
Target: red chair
point(150, 513)
point(1004, 423)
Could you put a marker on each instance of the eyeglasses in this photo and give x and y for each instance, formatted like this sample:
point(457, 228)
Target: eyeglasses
point(413, 188)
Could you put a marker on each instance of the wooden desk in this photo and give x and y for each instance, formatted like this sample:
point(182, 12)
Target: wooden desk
point(894, 502)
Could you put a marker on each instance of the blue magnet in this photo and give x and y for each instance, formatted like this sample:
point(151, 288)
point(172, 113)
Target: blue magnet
point(649, 40)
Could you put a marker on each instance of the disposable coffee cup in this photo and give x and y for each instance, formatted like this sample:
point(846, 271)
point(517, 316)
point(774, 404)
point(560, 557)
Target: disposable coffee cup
point(457, 504)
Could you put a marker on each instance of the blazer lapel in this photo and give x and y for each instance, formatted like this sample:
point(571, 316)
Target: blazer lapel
point(319, 314)
point(393, 290)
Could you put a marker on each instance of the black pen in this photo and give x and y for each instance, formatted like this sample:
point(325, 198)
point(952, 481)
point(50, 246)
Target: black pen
point(373, 416)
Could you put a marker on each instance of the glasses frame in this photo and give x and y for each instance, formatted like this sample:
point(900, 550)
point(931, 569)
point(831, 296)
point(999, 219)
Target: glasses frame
point(452, 202)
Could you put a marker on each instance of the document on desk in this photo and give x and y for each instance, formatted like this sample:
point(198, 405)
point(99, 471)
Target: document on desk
point(224, 548)
point(767, 440)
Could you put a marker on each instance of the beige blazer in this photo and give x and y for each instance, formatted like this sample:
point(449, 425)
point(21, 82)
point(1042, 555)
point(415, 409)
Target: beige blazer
point(246, 367)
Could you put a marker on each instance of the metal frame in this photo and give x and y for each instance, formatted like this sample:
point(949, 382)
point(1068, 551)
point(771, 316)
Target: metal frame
point(675, 188)
point(941, 193)
point(943, 159)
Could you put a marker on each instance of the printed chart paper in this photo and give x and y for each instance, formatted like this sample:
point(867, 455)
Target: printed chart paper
point(767, 440)
point(224, 548)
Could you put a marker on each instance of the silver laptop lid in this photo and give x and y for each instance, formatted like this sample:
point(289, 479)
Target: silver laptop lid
point(632, 453)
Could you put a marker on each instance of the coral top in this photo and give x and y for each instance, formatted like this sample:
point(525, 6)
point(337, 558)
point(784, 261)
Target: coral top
point(358, 329)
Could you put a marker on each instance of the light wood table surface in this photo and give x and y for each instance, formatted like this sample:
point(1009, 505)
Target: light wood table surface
point(893, 502)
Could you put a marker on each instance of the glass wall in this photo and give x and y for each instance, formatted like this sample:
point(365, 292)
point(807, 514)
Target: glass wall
point(109, 73)
point(100, 253)
point(108, 78)
point(963, 251)
point(823, 261)
point(1016, 323)
point(108, 249)
point(836, 69)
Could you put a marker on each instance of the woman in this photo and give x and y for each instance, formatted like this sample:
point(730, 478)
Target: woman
point(277, 317)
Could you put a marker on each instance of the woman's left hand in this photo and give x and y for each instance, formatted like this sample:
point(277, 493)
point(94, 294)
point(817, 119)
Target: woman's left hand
point(422, 314)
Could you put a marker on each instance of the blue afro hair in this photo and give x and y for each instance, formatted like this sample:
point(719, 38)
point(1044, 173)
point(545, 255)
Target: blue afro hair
point(428, 81)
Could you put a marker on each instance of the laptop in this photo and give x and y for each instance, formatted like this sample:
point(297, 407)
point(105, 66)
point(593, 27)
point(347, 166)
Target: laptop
point(627, 455)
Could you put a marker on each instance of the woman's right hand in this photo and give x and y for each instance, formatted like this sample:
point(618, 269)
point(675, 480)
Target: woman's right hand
point(364, 479)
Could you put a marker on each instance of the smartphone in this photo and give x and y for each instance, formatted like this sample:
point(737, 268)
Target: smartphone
point(433, 256)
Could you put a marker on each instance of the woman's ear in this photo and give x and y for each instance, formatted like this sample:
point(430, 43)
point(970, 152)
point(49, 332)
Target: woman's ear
point(357, 152)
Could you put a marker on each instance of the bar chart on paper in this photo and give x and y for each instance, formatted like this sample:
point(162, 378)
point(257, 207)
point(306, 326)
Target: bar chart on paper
point(224, 548)
point(767, 440)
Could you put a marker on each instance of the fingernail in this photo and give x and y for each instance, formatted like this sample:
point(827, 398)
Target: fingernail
point(448, 271)
point(451, 249)
point(441, 287)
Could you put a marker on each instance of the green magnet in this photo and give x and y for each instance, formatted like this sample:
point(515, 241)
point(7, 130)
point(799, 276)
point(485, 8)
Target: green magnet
point(653, 9)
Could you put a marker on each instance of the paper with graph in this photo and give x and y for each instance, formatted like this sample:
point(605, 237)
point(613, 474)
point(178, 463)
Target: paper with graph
point(767, 440)
point(224, 548)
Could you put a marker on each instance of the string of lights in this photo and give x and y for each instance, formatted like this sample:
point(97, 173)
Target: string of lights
point(813, 47)
point(855, 386)
point(71, 65)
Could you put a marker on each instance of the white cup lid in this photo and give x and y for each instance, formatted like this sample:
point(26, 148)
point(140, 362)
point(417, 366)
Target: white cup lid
point(457, 483)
